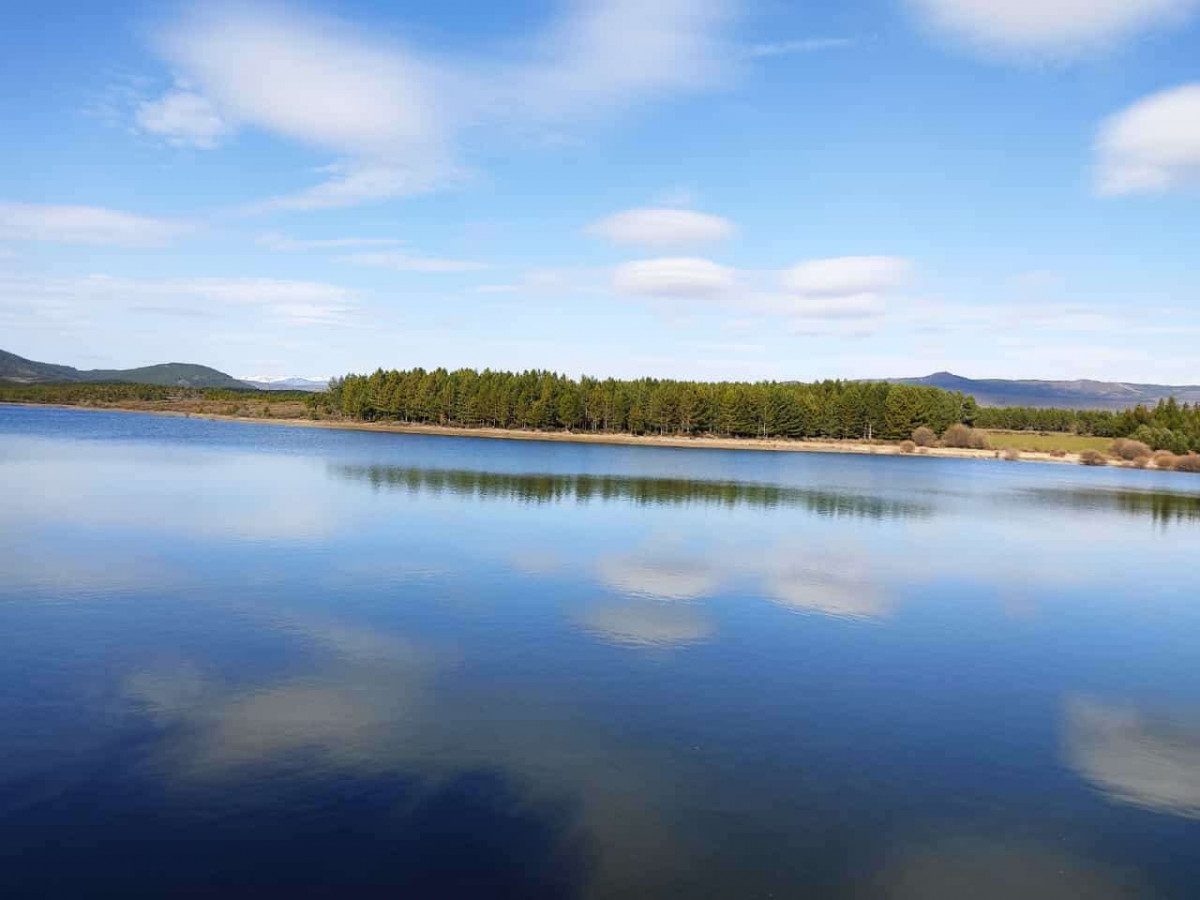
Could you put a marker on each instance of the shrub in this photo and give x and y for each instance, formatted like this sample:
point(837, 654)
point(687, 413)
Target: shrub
point(924, 437)
point(907, 447)
point(1165, 459)
point(1189, 463)
point(1140, 462)
point(964, 437)
point(1011, 453)
point(1129, 449)
point(1092, 458)
point(1058, 454)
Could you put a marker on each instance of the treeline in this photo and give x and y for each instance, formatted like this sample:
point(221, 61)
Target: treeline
point(102, 393)
point(546, 400)
point(1167, 426)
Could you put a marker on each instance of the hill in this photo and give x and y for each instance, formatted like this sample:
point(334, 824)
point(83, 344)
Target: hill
point(18, 370)
point(1081, 394)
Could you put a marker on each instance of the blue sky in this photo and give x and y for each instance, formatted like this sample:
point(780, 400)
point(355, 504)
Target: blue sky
point(703, 189)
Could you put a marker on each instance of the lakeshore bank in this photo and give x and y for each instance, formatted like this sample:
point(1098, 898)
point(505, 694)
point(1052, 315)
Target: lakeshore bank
point(781, 445)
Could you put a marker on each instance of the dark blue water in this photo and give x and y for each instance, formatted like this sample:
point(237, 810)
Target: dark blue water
point(246, 661)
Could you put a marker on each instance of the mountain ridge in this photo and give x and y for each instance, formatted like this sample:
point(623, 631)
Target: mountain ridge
point(19, 370)
point(1080, 393)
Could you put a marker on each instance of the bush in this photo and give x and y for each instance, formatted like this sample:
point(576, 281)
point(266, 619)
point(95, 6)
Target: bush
point(1189, 463)
point(1011, 453)
point(1058, 454)
point(964, 437)
point(1092, 458)
point(1129, 449)
point(907, 447)
point(1165, 459)
point(924, 437)
point(1140, 462)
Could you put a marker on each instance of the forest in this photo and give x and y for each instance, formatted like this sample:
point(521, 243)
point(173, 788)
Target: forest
point(546, 400)
point(117, 392)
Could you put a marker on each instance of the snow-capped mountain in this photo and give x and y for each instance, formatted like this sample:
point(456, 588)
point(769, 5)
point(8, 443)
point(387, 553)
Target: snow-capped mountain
point(287, 382)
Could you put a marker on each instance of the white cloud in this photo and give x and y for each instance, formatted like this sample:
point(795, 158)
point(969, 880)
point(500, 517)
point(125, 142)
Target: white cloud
point(275, 241)
point(1058, 28)
point(72, 299)
point(677, 277)
point(362, 181)
point(612, 52)
point(661, 227)
point(1154, 145)
point(834, 290)
point(85, 225)
point(844, 276)
point(308, 78)
point(804, 45)
point(852, 306)
point(403, 262)
point(393, 117)
point(183, 118)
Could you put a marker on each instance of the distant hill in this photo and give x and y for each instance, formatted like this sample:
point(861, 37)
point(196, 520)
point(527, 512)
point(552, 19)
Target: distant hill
point(1081, 394)
point(286, 382)
point(18, 370)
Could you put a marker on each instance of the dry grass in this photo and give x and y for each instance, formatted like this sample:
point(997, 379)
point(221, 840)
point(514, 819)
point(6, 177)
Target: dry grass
point(1011, 454)
point(1048, 442)
point(1165, 459)
point(924, 437)
point(963, 437)
point(1189, 463)
point(1129, 449)
point(1092, 458)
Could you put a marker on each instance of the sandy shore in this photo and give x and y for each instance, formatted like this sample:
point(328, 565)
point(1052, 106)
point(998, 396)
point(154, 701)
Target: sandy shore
point(692, 443)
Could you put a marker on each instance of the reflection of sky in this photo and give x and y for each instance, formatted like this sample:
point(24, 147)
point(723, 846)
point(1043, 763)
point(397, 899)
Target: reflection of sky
point(1134, 756)
point(233, 620)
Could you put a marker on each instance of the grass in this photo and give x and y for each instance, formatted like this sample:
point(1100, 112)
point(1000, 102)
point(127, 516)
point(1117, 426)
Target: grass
point(1034, 441)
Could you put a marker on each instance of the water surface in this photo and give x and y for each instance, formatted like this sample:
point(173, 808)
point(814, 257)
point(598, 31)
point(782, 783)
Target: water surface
point(254, 661)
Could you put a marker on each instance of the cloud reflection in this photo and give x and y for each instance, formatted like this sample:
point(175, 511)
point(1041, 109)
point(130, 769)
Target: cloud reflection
point(1149, 761)
point(827, 585)
point(667, 576)
point(999, 868)
point(647, 624)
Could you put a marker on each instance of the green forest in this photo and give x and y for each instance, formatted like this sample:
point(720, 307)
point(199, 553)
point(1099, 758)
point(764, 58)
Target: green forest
point(546, 400)
point(117, 392)
point(764, 409)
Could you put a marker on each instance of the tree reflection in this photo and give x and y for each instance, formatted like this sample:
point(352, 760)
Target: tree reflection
point(554, 488)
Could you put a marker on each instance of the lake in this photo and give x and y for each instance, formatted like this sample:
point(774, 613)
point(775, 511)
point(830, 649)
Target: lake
point(246, 661)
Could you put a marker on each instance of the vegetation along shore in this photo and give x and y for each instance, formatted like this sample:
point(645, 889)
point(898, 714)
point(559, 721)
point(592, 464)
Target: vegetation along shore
point(827, 416)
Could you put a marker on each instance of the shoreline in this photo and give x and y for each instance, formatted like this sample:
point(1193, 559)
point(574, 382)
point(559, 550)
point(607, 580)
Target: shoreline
point(777, 445)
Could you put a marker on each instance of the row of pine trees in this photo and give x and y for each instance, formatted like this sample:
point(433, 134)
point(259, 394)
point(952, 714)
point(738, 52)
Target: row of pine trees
point(547, 400)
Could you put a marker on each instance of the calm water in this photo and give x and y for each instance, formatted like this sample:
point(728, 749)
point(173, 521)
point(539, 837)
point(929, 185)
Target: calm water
point(253, 661)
